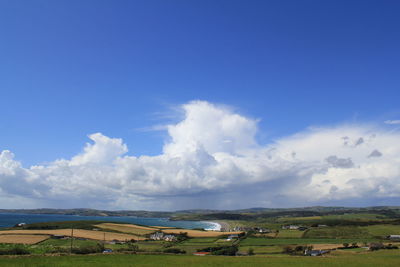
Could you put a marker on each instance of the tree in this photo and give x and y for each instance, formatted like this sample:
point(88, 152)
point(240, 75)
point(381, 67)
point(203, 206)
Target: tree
point(250, 252)
point(288, 249)
point(132, 247)
point(182, 236)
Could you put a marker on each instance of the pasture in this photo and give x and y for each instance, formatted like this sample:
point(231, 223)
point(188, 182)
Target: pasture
point(253, 241)
point(289, 234)
point(382, 230)
point(337, 232)
point(197, 233)
point(379, 258)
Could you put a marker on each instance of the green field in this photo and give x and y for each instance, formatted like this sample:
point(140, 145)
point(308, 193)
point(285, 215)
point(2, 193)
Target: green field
point(202, 240)
point(298, 241)
point(66, 242)
point(290, 234)
point(338, 232)
point(268, 251)
point(262, 249)
point(383, 230)
point(380, 258)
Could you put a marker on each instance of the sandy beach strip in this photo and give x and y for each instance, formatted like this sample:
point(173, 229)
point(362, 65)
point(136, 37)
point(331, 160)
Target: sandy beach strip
point(224, 225)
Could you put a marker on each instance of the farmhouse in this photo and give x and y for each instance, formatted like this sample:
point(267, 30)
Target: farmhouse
point(107, 250)
point(162, 236)
point(230, 237)
point(394, 237)
point(262, 230)
point(315, 252)
point(290, 227)
point(157, 236)
point(201, 253)
point(169, 238)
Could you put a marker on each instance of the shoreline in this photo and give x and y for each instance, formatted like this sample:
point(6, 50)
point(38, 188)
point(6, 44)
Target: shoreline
point(224, 225)
point(214, 227)
point(219, 225)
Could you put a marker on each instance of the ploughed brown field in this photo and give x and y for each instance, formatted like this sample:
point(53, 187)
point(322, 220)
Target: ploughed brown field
point(127, 228)
point(23, 239)
point(89, 234)
point(196, 233)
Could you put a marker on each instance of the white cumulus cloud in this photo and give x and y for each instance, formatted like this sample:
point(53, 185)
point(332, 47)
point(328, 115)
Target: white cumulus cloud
point(213, 160)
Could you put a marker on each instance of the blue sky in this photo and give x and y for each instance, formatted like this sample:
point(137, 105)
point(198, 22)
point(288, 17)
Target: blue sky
point(73, 68)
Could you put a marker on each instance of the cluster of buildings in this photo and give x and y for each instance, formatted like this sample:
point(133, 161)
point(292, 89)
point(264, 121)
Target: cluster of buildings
point(294, 227)
point(315, 252)
point(394, 237)
point(247, 229)
point(162, 236)
point(264, 230)
point(115, 242)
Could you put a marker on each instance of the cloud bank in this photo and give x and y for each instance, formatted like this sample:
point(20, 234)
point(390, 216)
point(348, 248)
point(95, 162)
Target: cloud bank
point(213, 160)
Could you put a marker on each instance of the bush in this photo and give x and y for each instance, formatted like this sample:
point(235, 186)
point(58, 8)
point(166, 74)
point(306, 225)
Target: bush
point(390, 246)
point(88, 249)
point(174, 251)
point(227, 251)
point(182, 236)
point(208, 249)
point(297, 250)
point(15, 250)
point(132, 247)
point(288, 249)
point(250, 252)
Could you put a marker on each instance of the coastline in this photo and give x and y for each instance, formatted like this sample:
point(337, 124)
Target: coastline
point(218, 225)
point(215, 226)
point(224, 225)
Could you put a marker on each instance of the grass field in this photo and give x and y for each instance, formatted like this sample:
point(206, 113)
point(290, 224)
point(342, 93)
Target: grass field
point(267, 235)
point(96, 235)
point(127, 228)
point(202, 240)
point(267, 250)
point(262, 249)
point(22, 239)
point(67, 242)
point(196, 233)
point(379, 258)
point(352, 216)
point(290, 234)
point(338, 232)
point(298, 241)
point(150, 246)
point(382, 230)
point(298, 219)
point(193, 244)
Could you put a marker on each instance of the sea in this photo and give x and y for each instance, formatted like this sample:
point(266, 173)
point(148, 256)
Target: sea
point(11, 219)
